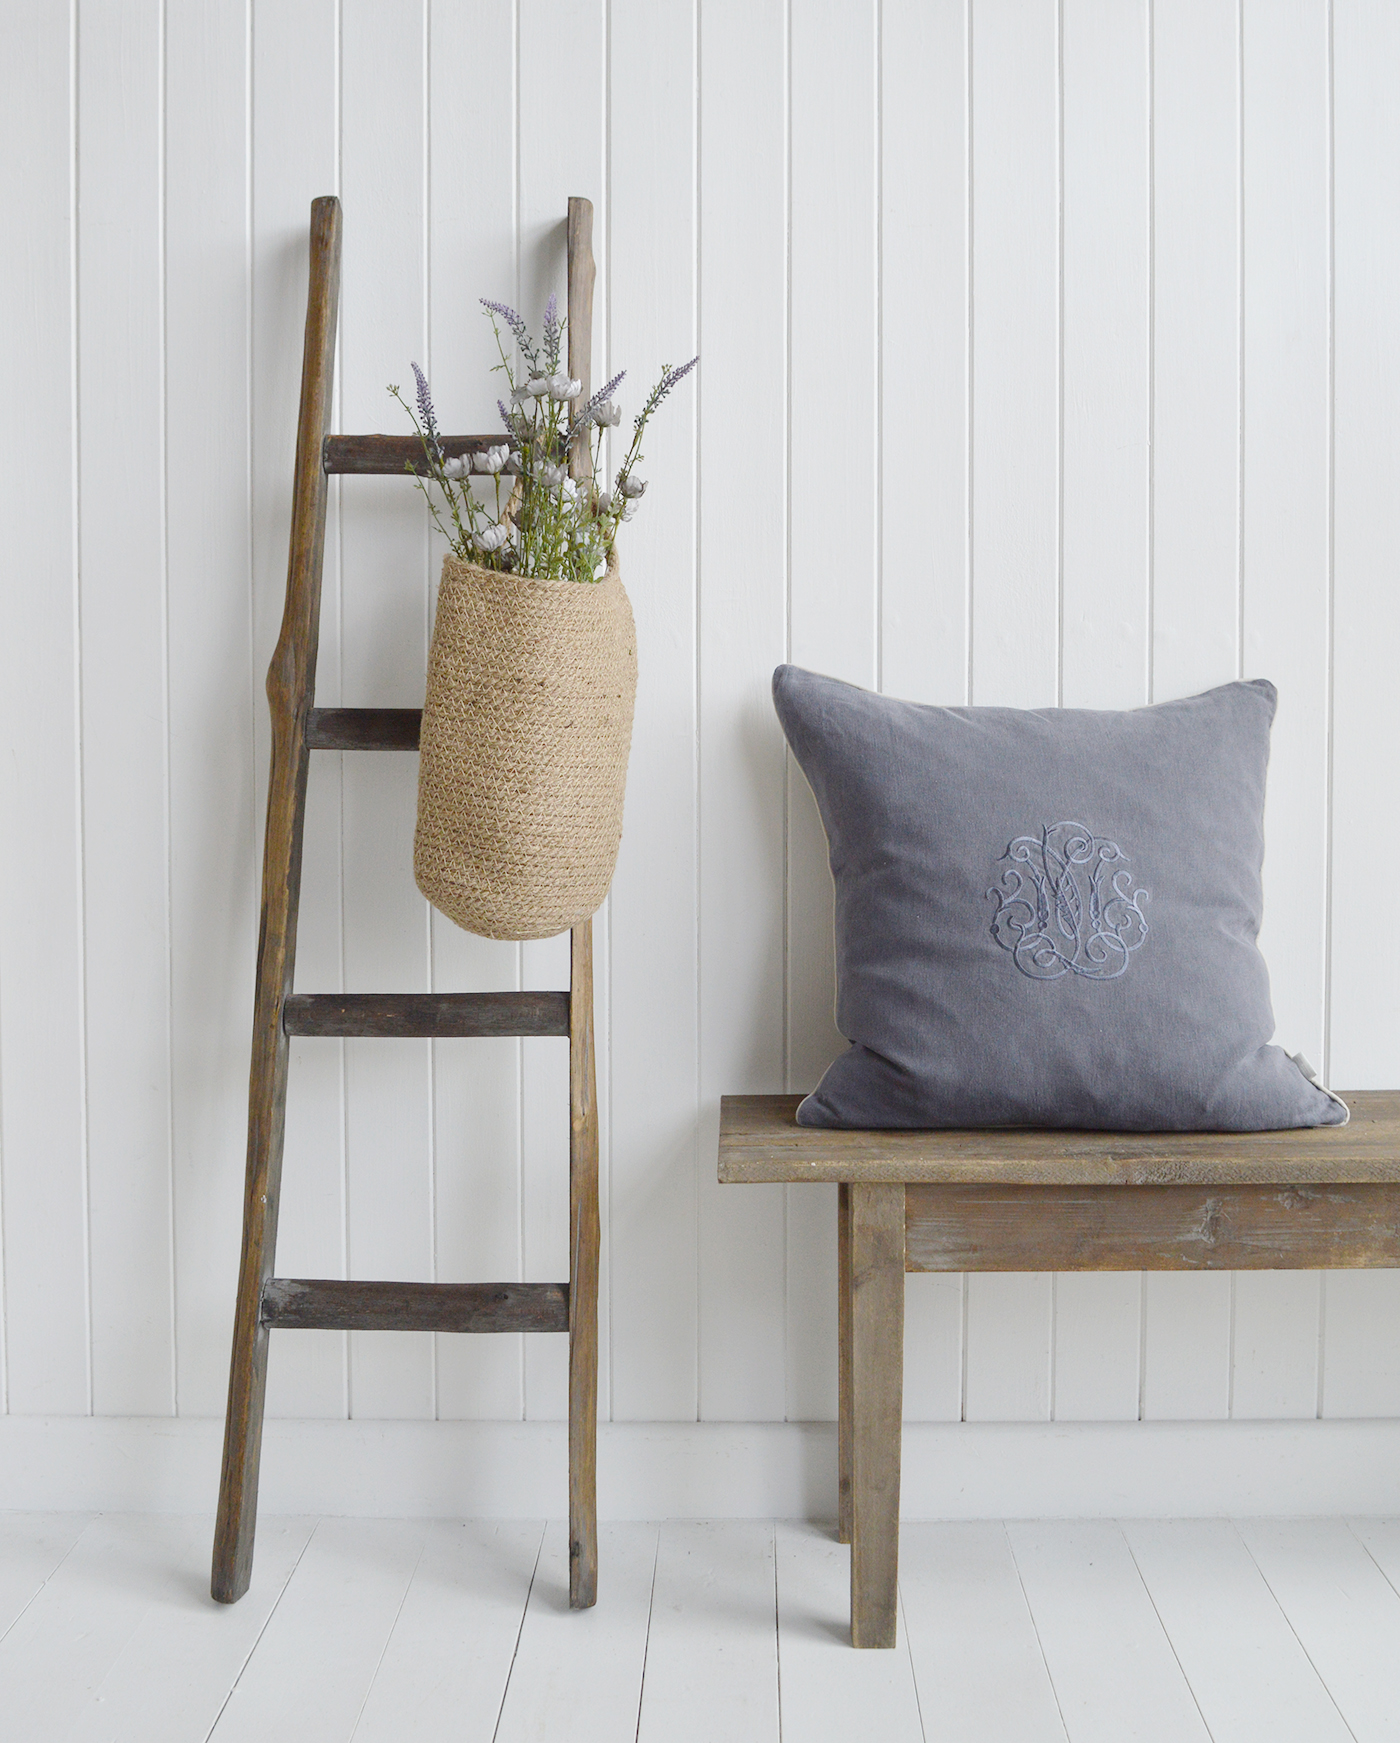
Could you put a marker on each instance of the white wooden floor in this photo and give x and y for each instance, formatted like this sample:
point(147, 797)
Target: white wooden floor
point(389, 1631)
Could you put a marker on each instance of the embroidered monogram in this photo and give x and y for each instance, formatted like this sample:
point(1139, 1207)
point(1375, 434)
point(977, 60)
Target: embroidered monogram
point(1066, 905)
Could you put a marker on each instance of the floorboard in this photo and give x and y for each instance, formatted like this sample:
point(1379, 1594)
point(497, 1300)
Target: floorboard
point(1113, 1669)
point(32, 1546)
point(1344, 1611)
point(313, 1670)
point(1252, 1680)
point(830, 1692)
point(712, 1652)
point(977, 1658)
point(445, 1668)
point(578, 1673)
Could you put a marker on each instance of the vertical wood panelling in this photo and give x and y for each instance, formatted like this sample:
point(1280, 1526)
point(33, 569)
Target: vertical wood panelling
point(564, 72)
point(1105, 431)
point(1286, 529)
point(43, 1205)
point(1361, 1352)
point(1018, 326)
point(295, 157)
point(1196, 524)
point(1015, 510)
point(833, 407)
point(742, 637)
point(652, 318)
point(476, 1084)
point(213, 917)
point(923, 315)
point(1365, 979)
point(121, 424)
point(923, 535)
point(389, 1159)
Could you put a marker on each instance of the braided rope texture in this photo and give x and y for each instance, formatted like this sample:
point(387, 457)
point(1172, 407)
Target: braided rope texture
point(522, 769)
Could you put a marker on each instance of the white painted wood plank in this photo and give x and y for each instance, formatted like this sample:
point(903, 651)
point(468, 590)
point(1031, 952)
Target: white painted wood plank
point(384, 527)
point(578, 1673)
point(1361, 1344)
point(924, 284)
point(742, 637)
point(1098, 1341)
point(1015, 628)
point(213, 873)
point(652, 314)
point(712, 1649)
point(174, 1672)
point(1381, 1540)
point(1286, 512)
point(1107, 373)
point(42, 1130)
point(32, 1547)
point(125, 777)
point(1111, 1664)
point(830, 1692)
point(933, 1321)
point(1344, 1611)
point(1196, 347)
point(1186, 1346)
point(1008, 1343)
point(445, 1668)
point(834, 585)
point(1276, 1344)
point(1365, 966)
point(295, 158)
point(977, 1659)
point(1251, 1678)
point(476, 1084)
point(561, 69)
point(68, 1639)
point(313, 1670)
point(1016, 336)
point(1286, 528)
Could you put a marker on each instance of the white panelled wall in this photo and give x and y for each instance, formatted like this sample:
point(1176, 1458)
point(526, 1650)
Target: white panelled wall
point(1049, 354)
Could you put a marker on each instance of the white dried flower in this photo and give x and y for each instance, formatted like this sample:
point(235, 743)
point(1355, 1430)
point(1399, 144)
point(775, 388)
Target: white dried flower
point(629, 509)
point(493, 460)
point(607, 416)
point(512, 465)
point(552, 474)
point(539, 388)
point(630, 486)
point(605, 502)
point(491, 538)
point(458, 467)
point(562, 387)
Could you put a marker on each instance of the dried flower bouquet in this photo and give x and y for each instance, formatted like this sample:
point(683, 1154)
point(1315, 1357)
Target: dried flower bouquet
point(540, 520)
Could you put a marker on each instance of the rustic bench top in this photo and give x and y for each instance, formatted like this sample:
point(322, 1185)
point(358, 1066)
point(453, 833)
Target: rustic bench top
point(760, 1139)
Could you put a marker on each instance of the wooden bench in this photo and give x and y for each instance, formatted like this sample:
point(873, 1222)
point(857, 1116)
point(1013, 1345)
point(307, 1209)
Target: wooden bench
point(1016, 1200)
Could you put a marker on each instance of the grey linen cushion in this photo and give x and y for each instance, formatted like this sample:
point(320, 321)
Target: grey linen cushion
point(1047, 917)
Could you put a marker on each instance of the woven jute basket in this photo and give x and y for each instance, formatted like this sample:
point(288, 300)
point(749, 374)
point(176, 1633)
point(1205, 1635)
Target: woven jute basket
point(523, 756)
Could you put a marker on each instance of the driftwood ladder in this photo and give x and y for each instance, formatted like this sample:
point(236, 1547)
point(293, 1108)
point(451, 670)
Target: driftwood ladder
point(266, 1301)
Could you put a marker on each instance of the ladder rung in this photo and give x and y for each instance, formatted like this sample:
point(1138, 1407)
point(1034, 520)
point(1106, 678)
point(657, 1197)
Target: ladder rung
point(437, 1015)
point(363, 728)
point(389, 454)
point(332, 1305)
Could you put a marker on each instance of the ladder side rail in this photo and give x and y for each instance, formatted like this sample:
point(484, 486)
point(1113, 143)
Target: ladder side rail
point(584, 1227)
point(291, 683)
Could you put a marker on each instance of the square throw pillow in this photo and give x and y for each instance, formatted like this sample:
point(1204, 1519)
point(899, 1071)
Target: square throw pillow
point(1047, 917)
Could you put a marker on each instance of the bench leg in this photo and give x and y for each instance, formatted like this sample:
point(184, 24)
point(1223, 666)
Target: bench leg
point(876, 1387)
point(843, 1362)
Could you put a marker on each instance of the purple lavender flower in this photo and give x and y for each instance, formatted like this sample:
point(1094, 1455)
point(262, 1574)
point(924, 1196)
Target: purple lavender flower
point(586, 411)
point(427, 416)
point(507, 314)
point(551, 332)
point(669, 378)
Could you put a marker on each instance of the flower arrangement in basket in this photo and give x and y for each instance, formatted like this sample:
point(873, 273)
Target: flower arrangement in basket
point(532, 669)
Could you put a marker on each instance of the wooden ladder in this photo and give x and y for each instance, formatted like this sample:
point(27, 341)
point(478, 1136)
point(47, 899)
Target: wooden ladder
point(298, 728)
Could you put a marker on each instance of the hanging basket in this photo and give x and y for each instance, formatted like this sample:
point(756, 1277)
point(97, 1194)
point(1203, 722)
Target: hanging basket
point(523, 756)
